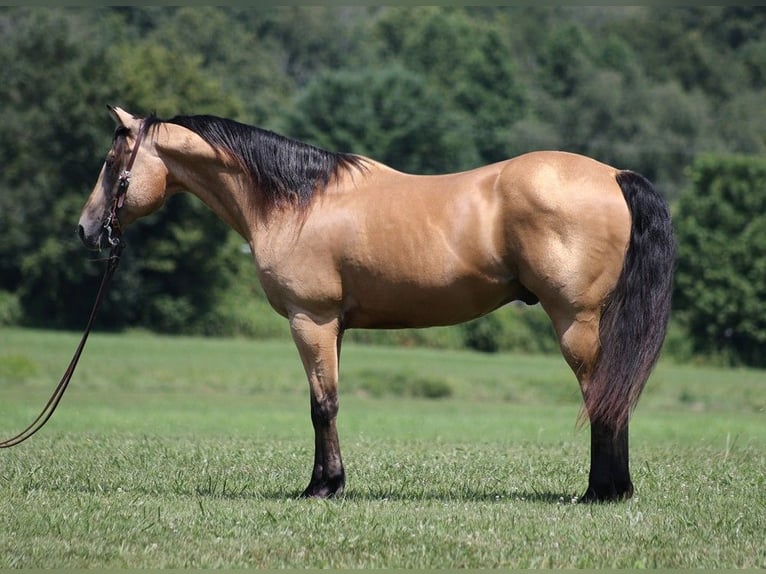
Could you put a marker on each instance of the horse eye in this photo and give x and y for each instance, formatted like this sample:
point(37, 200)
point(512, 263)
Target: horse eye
point(121, 131)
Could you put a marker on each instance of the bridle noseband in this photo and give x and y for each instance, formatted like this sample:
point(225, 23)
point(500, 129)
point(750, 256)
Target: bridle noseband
point(111, 227)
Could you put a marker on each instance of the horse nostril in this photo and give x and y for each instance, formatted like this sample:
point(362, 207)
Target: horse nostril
point(81, 233)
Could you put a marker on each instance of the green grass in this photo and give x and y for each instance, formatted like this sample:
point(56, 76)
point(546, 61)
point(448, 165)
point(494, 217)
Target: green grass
point(183, 452)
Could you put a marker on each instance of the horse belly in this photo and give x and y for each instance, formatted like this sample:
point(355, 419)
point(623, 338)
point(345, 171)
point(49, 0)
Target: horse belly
point(381, 304)
point(441, 261)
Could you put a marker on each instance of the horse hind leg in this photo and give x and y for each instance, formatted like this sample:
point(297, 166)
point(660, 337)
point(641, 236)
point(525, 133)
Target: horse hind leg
point(609, 476)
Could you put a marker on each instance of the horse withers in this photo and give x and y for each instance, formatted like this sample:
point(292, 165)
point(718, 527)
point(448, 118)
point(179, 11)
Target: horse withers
point(341, 241)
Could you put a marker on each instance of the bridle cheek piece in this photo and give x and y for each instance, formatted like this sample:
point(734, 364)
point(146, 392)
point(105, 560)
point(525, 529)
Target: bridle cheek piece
point(111, 224)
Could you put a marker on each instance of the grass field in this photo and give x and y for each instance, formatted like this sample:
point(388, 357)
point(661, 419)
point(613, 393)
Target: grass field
point(182, 452)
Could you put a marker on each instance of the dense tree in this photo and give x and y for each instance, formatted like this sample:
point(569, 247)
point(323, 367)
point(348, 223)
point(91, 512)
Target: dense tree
point(381, 114)
point(467, 61)
point(50, 84)
point(56, 132)
point(231, 55)
point(600, 102)
point(720, 290)
point(425, 89)
point(708, 48)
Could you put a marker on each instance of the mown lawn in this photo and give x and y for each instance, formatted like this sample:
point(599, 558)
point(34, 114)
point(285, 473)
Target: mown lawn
point(183, 452)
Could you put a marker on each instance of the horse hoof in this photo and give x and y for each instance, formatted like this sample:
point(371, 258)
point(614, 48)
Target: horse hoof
point(607, 493)
point(325, 488)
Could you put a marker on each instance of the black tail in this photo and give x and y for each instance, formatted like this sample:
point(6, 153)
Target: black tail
point(635, 317)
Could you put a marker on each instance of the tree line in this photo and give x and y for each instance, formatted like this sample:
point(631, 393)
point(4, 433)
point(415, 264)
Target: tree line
point(674, 93)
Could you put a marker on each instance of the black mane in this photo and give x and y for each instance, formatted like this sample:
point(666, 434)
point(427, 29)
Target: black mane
point(284, 171)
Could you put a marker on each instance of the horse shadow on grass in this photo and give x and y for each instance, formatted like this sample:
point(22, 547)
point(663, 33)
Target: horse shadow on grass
point(466, 496)
point(248, 492)
point(372, 495)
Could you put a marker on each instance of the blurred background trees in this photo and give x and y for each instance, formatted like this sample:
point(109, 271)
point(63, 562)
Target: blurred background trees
point(720, 289)
point(669, 92)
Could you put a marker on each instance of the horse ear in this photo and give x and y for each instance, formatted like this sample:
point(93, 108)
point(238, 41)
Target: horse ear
point(121, 117)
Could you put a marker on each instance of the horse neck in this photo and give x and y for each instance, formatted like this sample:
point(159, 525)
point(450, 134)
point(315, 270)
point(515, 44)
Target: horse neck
point(195, 167)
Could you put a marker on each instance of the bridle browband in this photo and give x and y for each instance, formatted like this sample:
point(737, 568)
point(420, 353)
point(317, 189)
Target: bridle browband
point(111, 227)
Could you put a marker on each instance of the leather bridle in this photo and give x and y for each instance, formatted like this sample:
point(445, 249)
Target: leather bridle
point(111, 227)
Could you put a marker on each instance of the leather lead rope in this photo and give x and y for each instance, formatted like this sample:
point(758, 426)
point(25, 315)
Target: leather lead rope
point(114, 236)
point(53, 402)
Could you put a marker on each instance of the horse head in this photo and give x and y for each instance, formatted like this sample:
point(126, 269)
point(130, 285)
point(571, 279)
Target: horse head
point(132, 162)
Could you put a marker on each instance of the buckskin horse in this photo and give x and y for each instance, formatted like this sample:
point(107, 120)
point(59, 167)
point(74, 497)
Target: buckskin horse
point(341, 241)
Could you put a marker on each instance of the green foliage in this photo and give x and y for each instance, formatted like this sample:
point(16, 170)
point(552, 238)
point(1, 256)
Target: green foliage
point(482, 334)
point(678, 344)
point(470, 64)
point(515, 327)
point(398, 384)
point(381, 114)
point(713, 49)
point(183, 265)
point(720, 290)
point(433, 338)
point(607, 108)
point(10, 309)
point(424, 88)
point(158, 80)
point(243, 310)
point(52, 152)
point(235, 57)
point(49, 84)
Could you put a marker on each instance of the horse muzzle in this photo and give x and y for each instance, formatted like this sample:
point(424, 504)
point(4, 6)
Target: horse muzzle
point(94, 241)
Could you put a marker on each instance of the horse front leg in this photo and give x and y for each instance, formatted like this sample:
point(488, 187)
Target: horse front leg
point(319, 348)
